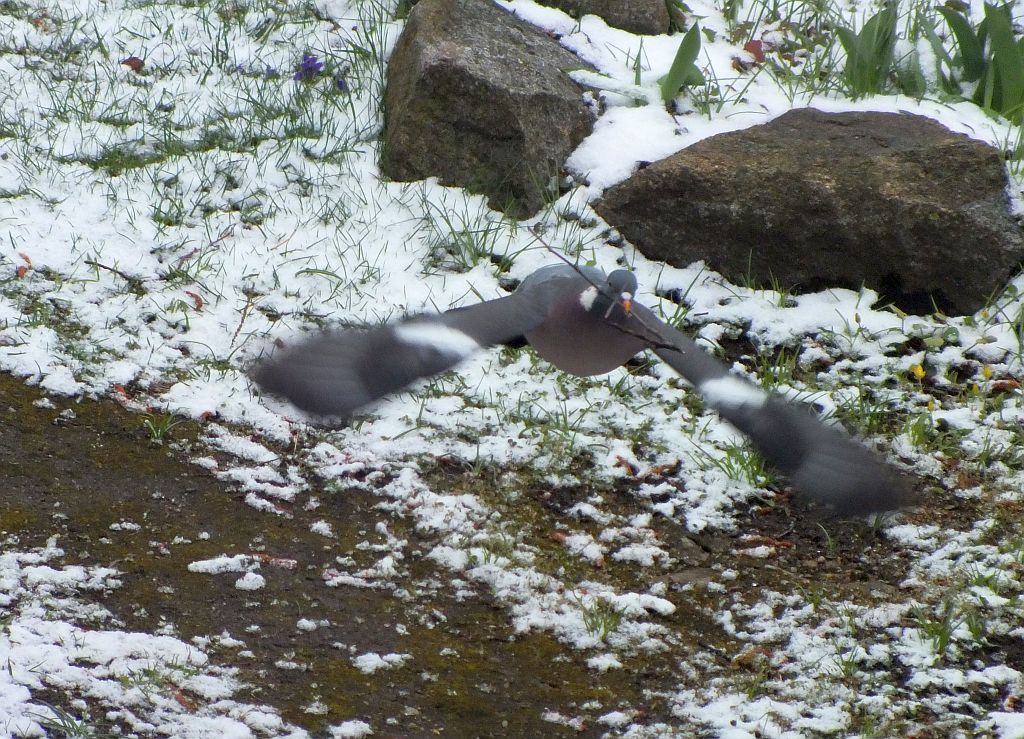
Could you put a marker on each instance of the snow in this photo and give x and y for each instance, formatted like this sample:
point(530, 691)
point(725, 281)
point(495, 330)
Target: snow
point(323, 528)
point(372, 662)
point(1008, 725)
point(351, 730)
point(250, 581)
point(230, 249)
point(604, 662)
point(41, 646)
point(615, 718)
point(224, 563)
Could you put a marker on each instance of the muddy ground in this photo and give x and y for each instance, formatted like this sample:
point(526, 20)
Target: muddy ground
point(469, 675)
point(74, 479)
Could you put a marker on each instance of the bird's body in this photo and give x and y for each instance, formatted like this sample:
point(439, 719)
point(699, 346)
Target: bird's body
point(586, 323)
point(568, 342)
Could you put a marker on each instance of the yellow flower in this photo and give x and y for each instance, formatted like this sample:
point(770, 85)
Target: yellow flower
point(931, 404)
point(918, 372)
point(986, 372)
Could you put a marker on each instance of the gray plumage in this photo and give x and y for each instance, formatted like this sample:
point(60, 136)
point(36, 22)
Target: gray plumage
point(585, 323)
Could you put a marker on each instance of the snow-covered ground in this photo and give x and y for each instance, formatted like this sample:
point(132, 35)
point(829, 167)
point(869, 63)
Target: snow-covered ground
point(173, 200)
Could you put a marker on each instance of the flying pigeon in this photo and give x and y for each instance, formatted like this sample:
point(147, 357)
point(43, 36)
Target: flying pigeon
point(586, 323)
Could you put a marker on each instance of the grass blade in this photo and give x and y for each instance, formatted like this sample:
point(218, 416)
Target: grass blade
point(1007, 62)
point(869, 54)
point(949, 83)
point(972, 57)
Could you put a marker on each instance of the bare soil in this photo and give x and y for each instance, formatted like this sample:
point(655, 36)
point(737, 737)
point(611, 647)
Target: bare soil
point(469, 675)
point(75, 479)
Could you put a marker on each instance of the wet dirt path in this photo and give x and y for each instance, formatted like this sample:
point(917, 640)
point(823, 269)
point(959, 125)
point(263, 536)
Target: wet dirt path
point(110, 496)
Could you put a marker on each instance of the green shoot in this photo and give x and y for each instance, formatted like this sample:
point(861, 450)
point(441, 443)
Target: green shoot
point(683, 72)
point(869, 54)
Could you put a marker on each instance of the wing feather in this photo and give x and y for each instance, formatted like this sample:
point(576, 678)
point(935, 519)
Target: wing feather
point(336, 373)
point(822, 463)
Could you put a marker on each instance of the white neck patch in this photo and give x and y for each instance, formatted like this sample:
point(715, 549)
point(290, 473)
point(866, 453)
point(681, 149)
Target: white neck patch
point(587, 298)
point(449, 341)
point(732, 392)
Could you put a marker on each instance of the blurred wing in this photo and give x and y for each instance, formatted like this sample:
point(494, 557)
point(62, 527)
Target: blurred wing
point(338, 372)
point(822, 462)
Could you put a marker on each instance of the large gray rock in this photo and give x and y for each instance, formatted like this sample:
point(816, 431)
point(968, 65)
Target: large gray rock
point(812, 199)
point(480, 99)
point(636, 16)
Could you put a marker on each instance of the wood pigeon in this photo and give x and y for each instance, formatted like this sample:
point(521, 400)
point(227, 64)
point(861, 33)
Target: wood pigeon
point(586, 323)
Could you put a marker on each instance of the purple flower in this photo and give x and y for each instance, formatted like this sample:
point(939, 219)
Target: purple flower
point(341, 84)
point(310, 68)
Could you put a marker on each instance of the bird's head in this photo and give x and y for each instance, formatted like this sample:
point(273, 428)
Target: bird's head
point(617, 291)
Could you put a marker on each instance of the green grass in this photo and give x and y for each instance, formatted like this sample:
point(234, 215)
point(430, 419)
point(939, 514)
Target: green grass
point(65, 724)
point(869, 53)
point(937, 624)
point(159, 427)
point(461, 239)
point(600, 617)
point(824, 50)
point(739, 461)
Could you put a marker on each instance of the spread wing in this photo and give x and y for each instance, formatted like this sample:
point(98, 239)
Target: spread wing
point(335, 373)
point(822, 462)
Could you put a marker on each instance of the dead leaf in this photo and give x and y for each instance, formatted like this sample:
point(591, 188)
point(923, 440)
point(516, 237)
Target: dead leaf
point(183, 701)
point(755, 47)
point(1005, 386)
point(625, 464)
point(279, 562)
point(134, 63)
point(197, 299)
